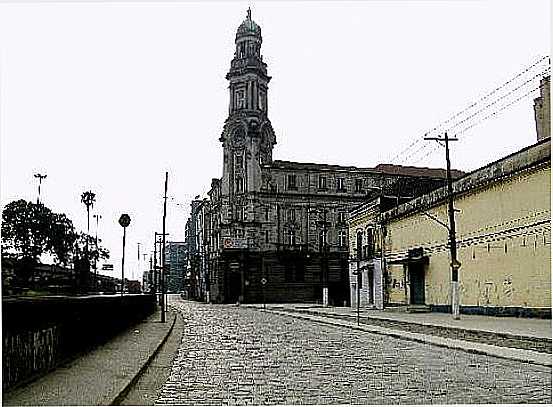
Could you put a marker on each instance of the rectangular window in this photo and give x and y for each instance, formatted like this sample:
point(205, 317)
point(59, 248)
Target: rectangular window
point(358, 185)
point(292, 238)
point(266, 214)
point(239, 185)
point(240, 99)
point(291, 215)
point(341, 217)
point(238, 161)
point(342, 238)
point(322, 182)
point(266, 236)
point(292, 181)
point(341, 184)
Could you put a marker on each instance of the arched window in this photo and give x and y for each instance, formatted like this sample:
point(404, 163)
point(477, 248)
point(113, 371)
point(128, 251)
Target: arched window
point(359, 244)
point(370, 242)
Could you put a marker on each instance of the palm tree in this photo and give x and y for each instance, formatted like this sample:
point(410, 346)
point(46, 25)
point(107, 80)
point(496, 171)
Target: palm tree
point(88, 198)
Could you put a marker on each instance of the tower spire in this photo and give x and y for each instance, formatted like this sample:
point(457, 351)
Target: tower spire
point(249, 13)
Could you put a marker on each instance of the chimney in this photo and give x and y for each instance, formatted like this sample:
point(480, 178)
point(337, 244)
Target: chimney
point(542, 110)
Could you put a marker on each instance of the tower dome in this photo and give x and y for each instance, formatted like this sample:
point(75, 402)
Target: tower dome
point(248, 27)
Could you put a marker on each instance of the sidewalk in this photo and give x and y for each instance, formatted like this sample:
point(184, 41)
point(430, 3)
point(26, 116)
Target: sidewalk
point(522, 339)
point(103, 376)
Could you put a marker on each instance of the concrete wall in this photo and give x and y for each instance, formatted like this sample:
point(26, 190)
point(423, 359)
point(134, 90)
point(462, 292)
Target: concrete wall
point(40, 333)
point(504, 238)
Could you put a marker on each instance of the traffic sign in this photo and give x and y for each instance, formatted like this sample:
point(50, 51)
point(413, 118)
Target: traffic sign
point(125, 220)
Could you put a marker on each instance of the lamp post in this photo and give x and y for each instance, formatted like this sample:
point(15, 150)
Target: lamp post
point(88, 198)
point(124, 221)
point(357, 273)
point(40, 177)
point(323, 248)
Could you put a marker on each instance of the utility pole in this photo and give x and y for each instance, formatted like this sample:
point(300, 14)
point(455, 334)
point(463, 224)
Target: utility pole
point(150, 276)
point(455, 264)
point(155, 265)
point(40, 178)
point(97, 217)
point(359, 279)
point(163, 252)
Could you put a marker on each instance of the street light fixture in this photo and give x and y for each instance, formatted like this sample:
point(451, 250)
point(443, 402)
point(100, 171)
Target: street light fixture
point(40, 177)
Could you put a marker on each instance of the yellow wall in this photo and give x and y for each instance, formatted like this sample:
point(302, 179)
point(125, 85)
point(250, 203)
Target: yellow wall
point(514, 269)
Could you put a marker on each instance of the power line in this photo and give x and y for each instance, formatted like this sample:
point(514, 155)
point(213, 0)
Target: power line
point(487, 96)
point(528, 69)
point(476, 123)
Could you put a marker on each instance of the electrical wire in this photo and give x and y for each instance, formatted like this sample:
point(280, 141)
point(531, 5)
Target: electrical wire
point(520, 87)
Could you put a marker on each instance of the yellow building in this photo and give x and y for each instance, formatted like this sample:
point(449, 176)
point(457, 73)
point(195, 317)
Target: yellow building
point(503, 217)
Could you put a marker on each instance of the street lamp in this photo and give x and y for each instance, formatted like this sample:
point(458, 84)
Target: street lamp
point(40, 177)
point(88, 198)
point(124, 221)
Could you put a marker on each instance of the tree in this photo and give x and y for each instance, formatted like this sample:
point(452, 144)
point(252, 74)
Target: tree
point(30, 230)
point(62, 238)
point(25, 230)
point(83, 241)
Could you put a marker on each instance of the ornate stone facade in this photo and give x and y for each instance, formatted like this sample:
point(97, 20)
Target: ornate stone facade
point(276, 230)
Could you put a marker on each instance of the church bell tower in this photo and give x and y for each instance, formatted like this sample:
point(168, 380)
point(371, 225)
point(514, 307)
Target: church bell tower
point(248, 137)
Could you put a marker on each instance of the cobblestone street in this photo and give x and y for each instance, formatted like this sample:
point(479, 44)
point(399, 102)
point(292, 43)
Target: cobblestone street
point(236, 355)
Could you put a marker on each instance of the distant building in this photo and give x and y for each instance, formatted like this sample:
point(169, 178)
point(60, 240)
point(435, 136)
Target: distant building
point(175, 265)
point(542, 109)
point(271, 229)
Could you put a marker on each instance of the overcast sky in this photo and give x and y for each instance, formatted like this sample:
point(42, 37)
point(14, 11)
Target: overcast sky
point(107, 96)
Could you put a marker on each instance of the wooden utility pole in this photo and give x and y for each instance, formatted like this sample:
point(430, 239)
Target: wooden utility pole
point(162, 303)
point(455, 264)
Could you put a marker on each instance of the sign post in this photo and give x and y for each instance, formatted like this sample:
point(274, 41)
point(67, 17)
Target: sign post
point(263, 283)
point(124, 221)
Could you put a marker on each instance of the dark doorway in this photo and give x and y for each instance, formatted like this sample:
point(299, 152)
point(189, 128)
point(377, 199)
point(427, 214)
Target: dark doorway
point(416, 278)
point(234, 284)
point(370, 286)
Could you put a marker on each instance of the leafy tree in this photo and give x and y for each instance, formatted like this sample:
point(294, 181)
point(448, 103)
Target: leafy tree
point(85, 241)
point(25, 230)
point(62, 238)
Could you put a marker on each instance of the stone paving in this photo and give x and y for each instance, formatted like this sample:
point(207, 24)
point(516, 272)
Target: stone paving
point(236, 355)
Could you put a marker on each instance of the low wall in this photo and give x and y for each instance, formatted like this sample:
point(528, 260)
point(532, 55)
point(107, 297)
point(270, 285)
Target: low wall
point(41, 332)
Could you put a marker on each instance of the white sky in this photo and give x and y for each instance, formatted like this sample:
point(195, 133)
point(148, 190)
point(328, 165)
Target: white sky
point(107, 96)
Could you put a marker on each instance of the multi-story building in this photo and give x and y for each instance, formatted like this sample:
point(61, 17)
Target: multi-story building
point(276, 230)
point(175, 265)
point(503, 218)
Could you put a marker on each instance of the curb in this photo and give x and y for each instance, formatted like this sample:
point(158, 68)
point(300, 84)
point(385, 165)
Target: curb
point(123, 393)
point(521, 355)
